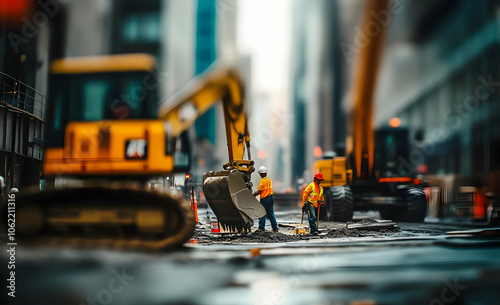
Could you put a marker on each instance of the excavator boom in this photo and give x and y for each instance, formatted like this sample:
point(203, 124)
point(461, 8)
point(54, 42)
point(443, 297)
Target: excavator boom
point(181, 110)
point(363, 94)
point(228, 192)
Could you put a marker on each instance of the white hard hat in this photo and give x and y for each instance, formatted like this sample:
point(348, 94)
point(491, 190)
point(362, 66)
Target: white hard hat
point(262, 170)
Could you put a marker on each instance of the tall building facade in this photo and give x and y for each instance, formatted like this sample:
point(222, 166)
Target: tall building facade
point(317, 84)
point(443, 84)
point(24, 57)
point(205, 56)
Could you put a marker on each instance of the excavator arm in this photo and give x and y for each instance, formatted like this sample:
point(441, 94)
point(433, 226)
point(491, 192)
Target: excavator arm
point(228, 192)
point(361, 142)
point(180, 111)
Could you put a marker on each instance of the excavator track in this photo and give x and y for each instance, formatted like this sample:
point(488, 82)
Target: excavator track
point(232, 201)
point(103, 217)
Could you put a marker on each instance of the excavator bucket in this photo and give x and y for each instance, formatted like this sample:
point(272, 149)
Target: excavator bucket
point(232, 201)
point(103, 217)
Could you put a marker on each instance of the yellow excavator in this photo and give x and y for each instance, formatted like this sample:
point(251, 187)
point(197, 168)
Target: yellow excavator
point(373, 175)
point(106, 138)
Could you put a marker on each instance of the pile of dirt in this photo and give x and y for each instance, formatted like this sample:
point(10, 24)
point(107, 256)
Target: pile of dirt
point(254, 237)
point(271, 237)
point(418, 231)
point(344, 232)
point(204, 236)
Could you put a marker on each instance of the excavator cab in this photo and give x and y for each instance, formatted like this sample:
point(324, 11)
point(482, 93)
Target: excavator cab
point(182, 153)
point(104, 143)
point(103, 119)
point(392, 153)
point(107, 139)
point(390, 187)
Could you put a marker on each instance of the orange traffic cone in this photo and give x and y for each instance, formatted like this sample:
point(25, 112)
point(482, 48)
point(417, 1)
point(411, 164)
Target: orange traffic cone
point(215, 227)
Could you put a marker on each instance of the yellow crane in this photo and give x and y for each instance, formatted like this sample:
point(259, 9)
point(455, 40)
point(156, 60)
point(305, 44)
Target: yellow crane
point(369, 177)
point(106, 138)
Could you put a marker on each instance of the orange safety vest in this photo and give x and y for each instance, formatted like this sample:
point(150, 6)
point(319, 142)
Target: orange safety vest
point(312, 194)
point(265, 187)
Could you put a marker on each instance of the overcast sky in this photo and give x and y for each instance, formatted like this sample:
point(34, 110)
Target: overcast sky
point(264, 33)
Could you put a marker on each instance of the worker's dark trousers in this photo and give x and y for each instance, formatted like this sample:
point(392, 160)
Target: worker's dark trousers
point(312, 211)
point(268, 203)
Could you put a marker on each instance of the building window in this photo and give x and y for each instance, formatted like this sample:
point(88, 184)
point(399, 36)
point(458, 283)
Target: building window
point(141, 27)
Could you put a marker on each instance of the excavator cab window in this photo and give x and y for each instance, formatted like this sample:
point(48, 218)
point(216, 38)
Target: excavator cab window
point(98, 96)
point(182, 153)
point(391, 152)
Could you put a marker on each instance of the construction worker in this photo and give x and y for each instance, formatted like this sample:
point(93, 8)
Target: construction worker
point(312, 198)
point(265, 190)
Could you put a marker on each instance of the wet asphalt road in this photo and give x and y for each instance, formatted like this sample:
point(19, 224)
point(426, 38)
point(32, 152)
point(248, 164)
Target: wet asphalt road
point(415, 264)
point(330, 232)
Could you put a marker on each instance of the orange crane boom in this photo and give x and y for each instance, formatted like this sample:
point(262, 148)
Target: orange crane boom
point(363, 90)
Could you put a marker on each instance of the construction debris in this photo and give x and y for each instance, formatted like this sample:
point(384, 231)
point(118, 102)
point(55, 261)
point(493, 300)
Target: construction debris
point(286, 225)
point(300, 230)
point(371, 224)
point(297, 228)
